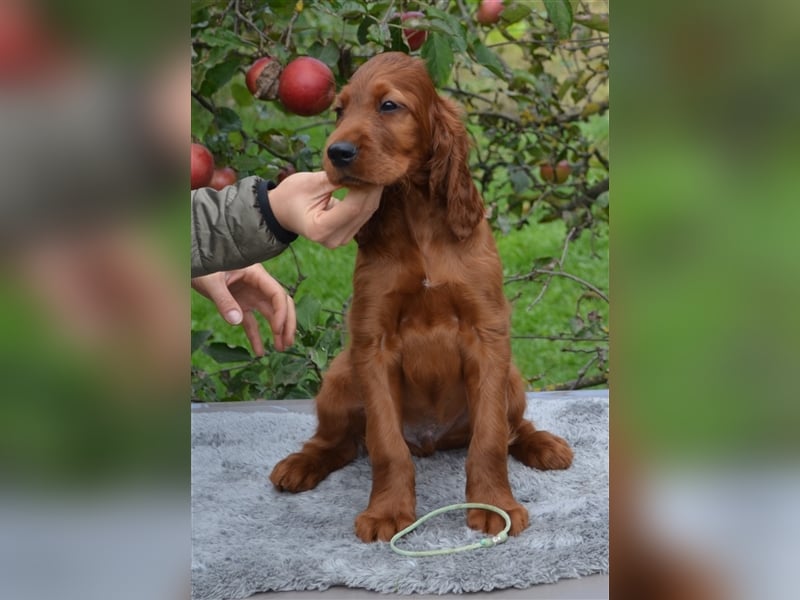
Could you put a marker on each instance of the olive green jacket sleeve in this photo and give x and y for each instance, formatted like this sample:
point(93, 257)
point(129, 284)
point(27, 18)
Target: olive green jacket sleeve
point(229, 229)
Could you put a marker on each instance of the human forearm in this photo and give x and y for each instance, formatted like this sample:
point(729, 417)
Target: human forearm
point(229, 230)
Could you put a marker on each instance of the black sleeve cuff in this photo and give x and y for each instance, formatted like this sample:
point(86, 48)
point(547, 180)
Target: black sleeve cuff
point(262, 198)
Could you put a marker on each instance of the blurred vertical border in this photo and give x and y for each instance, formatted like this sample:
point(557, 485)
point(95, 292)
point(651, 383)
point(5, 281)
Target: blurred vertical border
point(94, 297)
point(705, 279)
point(94, 431)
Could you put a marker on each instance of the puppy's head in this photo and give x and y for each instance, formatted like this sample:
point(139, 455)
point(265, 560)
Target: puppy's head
point(392, 126)
point(383, 129)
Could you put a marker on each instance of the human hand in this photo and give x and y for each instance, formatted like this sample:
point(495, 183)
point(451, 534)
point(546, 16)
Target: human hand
point(237, 293)
point(105, 292)
point(302, 203)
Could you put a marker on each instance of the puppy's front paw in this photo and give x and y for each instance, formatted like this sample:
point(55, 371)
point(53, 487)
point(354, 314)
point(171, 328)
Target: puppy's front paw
point(372, 525)
point(490, 522)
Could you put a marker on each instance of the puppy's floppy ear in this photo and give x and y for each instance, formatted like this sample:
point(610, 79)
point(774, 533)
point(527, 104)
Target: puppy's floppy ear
point(451, 180)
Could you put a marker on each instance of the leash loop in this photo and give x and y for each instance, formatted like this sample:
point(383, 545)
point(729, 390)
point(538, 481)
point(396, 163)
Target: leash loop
point(487, 542)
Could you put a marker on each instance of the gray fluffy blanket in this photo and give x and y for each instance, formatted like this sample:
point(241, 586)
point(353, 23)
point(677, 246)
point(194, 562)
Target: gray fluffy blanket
point(249, 538)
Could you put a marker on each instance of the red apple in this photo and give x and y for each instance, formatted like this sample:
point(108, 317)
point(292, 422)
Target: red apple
point(557, 174)
point(202, 166)
point(285, 172)
point(262, 78)
point(414, 37)
point(28, 45)
point(563, 169)
point(489, 11)
point(306, 86)
point(222, 177)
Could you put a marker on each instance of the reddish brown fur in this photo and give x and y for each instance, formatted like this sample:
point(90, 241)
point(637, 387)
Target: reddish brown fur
point(428, 366)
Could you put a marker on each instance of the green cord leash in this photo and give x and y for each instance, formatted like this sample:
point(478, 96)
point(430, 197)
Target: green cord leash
point(484, 543)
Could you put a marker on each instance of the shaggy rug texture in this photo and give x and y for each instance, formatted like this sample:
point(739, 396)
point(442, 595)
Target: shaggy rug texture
point(249, 538)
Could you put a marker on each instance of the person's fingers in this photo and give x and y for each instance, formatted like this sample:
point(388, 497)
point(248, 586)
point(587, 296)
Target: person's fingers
point(309, 183)
point(299, 198)
point(341, 221)
point(324, 185)
point(291, 323)
point(277, 317)
point(217, 290)
point(250, 326)
point(361, 204)
point(346, 218)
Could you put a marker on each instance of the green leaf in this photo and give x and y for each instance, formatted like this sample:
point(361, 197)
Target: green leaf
point(241, 94)
point(247, 164)
point(223, 353)
point(227, 119)
point(307, 310)
point(593, 21)
point(380, 34)
point(545, 84)
point(503, 223)
point(319, 357)
point(198, 338)
point(458, 44)
point(440, 26)
point(565, 86)
point(576, 325)
point(363, 30)
point(488, 59)
point(398, 40)
point(219, 75)
point(290, 372)
point(515, 12)
point(522, 80)
point(520, 180)
point(438, 58)
point(219, 36)
point(216, 55)
point(201, 120)
point(328, 53)
point(560, 14)
point(350, 10)
point(578, 94)
point(198, 5)
point(442, 22)
point(549, 217)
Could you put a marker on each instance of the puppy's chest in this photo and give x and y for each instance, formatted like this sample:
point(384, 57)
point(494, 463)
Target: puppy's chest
point(433, 266)
point(433, 316)
point(427, 289)
point(429, 295)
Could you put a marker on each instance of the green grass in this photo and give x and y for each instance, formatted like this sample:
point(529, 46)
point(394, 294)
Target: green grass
point(328, 279)
point(544, 362)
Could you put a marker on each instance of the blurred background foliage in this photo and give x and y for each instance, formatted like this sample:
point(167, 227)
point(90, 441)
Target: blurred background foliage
point(534, 89)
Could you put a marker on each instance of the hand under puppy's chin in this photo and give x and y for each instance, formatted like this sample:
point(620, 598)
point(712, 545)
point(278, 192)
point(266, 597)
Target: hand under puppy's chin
point(343, 178)
point(349, 181)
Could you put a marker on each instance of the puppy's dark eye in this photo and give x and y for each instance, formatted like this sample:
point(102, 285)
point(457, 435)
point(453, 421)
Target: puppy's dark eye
point(389, 106)
point(339, 111)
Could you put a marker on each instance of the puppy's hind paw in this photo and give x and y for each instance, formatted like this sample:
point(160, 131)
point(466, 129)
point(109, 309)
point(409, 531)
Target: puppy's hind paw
point(297, 472)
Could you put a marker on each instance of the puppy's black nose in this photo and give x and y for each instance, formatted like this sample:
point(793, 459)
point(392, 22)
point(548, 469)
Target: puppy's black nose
point(342, 153)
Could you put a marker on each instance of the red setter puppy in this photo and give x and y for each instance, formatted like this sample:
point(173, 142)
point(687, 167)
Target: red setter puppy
point(428, 366)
